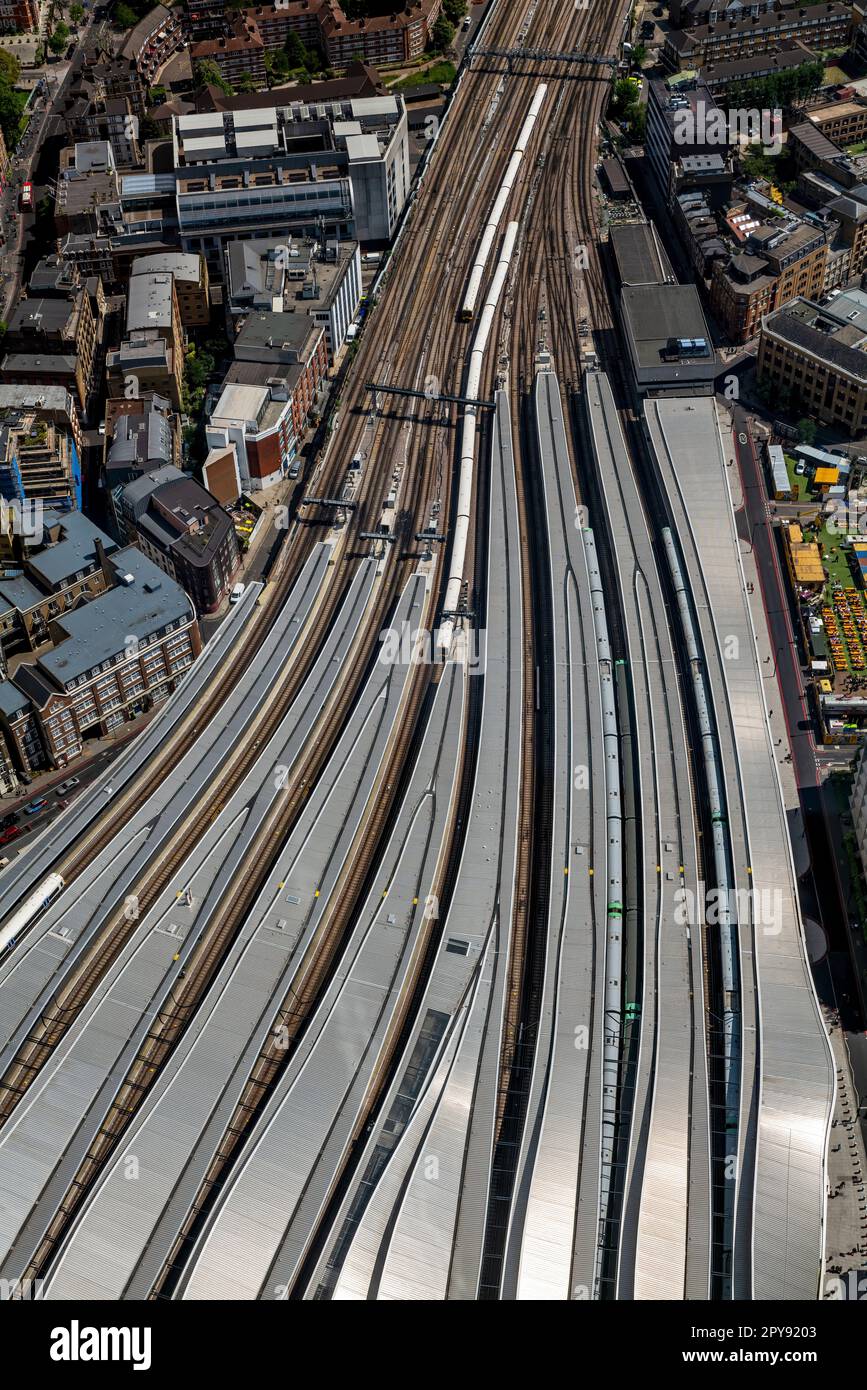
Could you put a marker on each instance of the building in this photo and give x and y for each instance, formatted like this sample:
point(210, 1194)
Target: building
point(817, 26)
point(342, 169)
point(683, 122)
point(255, 423)
point(53, 403)
point(239, 54)
point(153, 41)
point(39, 458)
point(55, 326)
point(790, 54)
point(111, 659)
point(816, 357)
point(810, 149)
point(322, 280)
point(290, 346)
point(323, 24)
point(687, 13)
point(19, 16)
point(52, 571)
point(190, 275)
point(145, 362)
point(858, 802)
point(140, 435)
point(267, 397)
point(844, 122)
point(185, 531)
point(668, 341)
point(775, 262)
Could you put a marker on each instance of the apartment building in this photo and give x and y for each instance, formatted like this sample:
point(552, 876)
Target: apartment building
point(291, 346)
point(112, 659)
point(54, 568)
point(238, 54)
point(54, 327)
point(153, 41)
point(774, 263)
point(39, 458)
point(398, 37)
point(817, 26)
point(145, 362)
point(151, 354)
point(19, 16)
point(790, 54)
point(817, 356)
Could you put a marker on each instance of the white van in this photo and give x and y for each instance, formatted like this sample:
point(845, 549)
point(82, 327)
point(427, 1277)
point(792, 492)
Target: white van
point(237, 593)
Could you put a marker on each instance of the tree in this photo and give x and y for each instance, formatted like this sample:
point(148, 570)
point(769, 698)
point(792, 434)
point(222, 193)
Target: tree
point(454, 10)
point(57, 42)
point(76, 13)
point(207, 74)
point(124, 17)
point(806, 431)
point(10, 68)
point(442, 34)
point(247, 83)
point(295, 51)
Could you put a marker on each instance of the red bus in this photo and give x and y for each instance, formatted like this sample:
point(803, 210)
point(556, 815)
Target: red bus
point(26, 199)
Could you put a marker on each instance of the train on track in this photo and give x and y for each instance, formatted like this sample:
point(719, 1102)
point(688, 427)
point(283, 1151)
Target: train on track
point(468, 308)
point(50, 888)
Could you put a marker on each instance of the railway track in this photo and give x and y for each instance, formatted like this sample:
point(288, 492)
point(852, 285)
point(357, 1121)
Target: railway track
point(391, 344)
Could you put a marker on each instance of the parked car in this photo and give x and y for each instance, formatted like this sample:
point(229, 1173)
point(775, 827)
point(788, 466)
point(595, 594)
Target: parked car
point(11, 833)
point(10, 819)
point(36, 806)
point(237, 593)
point(67, 786)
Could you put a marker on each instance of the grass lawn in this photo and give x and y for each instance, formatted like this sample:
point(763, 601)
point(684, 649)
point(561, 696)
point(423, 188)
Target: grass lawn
point(837, 562)
point(444, 73)
point(834, 77)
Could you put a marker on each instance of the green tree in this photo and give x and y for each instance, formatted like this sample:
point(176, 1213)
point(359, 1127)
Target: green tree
point(10, 68)
point(124, 17)
point(454, 10)
point(76, 13)
point(247, 83)
point(442, 34)
point(295, 51)
point(207, 74)
point(806, 431)
point(277, 68)
point(57, 42)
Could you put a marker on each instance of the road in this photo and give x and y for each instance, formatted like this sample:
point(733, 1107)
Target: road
point(16, 225)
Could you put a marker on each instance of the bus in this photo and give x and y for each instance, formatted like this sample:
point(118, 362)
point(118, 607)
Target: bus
point(26, 199)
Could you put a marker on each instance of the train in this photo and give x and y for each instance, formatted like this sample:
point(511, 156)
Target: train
point(30, 909)
point(474, 284)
